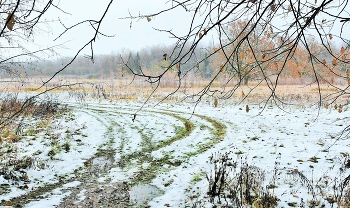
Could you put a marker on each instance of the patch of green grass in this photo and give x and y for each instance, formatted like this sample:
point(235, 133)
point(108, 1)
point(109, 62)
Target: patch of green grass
point(144, 176)
point(30, 132)
point(66, 146)
point(239, 152)
point(5, 189)
point(271, 186)
point(53, 152)
point(189, 126)
point(38, 152)
point(181, 131)
point(255, 138)
point(314, 159)
point(218, 132)
point(155, 165)
point(197, 177)
point(202, 127)
point(169, 182)
point(191, 154)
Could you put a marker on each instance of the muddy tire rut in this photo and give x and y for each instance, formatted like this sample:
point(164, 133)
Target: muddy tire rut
point(96, 187)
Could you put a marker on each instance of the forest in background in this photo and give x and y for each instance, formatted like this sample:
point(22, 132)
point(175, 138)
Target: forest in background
point(203, 64)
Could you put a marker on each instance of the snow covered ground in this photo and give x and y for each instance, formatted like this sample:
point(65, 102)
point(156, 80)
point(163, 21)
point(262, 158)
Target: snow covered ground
point(165, 153)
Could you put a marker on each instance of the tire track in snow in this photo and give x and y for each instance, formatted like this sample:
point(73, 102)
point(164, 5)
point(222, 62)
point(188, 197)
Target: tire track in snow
point(91, 198)
point(42, 191)
point(156, 165)
point(218, 132)
point(89, 175)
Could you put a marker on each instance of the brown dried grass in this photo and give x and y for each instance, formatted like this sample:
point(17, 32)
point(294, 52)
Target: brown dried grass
point(129, 89)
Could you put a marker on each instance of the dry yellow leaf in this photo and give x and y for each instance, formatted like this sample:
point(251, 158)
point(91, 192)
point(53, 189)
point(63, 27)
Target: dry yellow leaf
point(216, 102)
point(8, 204)
point(268, 35)
point(242, 55)
point(148, 19)
point(243, 95)
point(340, 108)
point(343, 57)
point(348, 72)
point(273, 7)
point(197, 65)
point(222, 68)
point(10, 20)
point(348, 81)
point(200, 35)
point(334, 62)
point(342, 50)
point(326, 105)
point(247, 108)
point(263, 56)
point(330, 36)
point(324, 62)
point(177, 65)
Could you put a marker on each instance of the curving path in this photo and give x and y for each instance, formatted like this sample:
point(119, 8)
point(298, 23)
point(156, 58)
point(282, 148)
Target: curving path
point(133, 155)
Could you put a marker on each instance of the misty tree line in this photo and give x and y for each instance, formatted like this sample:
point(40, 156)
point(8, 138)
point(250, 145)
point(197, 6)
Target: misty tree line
point(257, 48)
point(117, 64)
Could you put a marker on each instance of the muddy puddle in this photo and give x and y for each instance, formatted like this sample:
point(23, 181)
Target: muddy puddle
point(142, 193)
point(96, 188)
point(105, 193)
point(138, 194)
point(99, 165)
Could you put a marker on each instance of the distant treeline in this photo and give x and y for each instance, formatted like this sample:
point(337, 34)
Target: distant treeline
point(150, 60)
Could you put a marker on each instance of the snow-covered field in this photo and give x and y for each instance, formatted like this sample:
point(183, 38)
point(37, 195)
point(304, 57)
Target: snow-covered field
point(163, 156)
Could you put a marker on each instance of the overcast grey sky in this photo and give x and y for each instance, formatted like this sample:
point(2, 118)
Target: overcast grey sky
point(140, 35)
